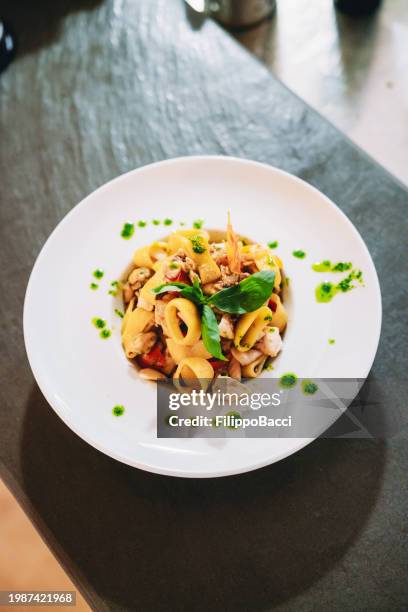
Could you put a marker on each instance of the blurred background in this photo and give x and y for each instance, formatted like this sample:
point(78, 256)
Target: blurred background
point(352, 69)
point(349, 62)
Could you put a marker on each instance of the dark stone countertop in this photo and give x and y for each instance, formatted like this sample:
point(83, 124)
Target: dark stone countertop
point(99, 88)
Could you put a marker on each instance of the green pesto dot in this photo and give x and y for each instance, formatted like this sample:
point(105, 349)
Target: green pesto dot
point(168, 222)
point(141, 224)
point(156, 222)
point(273, 245)
point(299, 254)
point(322, 266)
point(342, 266)
point(98, 273)
point(332, 341)
point(234, 415)
point(119, 313)
point(118, 410)
point(345, 285)
point(98, 322)
point(288, 380)
point(128, 230)
point(309, 387)
point(198, 224)
point(197, 244)
point(182, 223)
point(94, 286)
point(104, 334)
point(115, 288)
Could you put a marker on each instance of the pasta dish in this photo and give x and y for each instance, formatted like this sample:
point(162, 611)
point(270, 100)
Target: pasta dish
point(202, 304)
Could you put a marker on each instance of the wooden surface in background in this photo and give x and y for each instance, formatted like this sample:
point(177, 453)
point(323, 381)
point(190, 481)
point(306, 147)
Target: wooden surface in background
point(26, 563)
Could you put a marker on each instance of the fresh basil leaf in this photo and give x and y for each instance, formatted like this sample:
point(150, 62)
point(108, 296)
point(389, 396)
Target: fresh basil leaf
point(175, 286)
point(211, 333)
point(199, 291)
point(246, 296)
point(196, 283)
point(192, 293)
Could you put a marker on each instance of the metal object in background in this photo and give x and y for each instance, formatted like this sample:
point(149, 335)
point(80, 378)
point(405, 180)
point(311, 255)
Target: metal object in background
point(235, 14)
point(7, 46)
point(357, 8)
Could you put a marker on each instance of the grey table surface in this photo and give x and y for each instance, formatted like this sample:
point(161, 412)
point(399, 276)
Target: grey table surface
point(104, 87)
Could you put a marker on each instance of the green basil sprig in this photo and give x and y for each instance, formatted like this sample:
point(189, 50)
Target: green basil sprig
point(246, 296)
point(211, 333)
point(191, 292)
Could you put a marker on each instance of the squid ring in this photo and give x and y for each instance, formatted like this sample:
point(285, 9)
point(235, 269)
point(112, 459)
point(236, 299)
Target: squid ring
point(192, 372)
point(183, 309)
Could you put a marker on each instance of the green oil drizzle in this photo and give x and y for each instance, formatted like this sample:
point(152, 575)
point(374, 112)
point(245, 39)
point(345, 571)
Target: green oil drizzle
point(94, 286)
point(288, 380)
point(327, 266)
point(119, 313)
point(118, 410)
point(198, 224)
point(98, 273)
point(128, 230)
point(99, 323)
point(309, 387)
point(299, 254)
point(326, 291)
point(273, 245)
point(114, 288)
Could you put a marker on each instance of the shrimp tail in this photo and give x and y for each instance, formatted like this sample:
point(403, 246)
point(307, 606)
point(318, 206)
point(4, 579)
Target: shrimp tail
point(233, 254)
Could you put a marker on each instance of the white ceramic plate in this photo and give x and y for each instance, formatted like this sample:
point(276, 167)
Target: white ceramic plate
point(83, 377)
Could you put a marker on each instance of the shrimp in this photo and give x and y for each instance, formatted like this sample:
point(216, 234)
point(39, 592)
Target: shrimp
point(271, 343)
point(226, 327)
point(141, 343)
point(233, 254)
point(246, 357)
point(234, 369)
